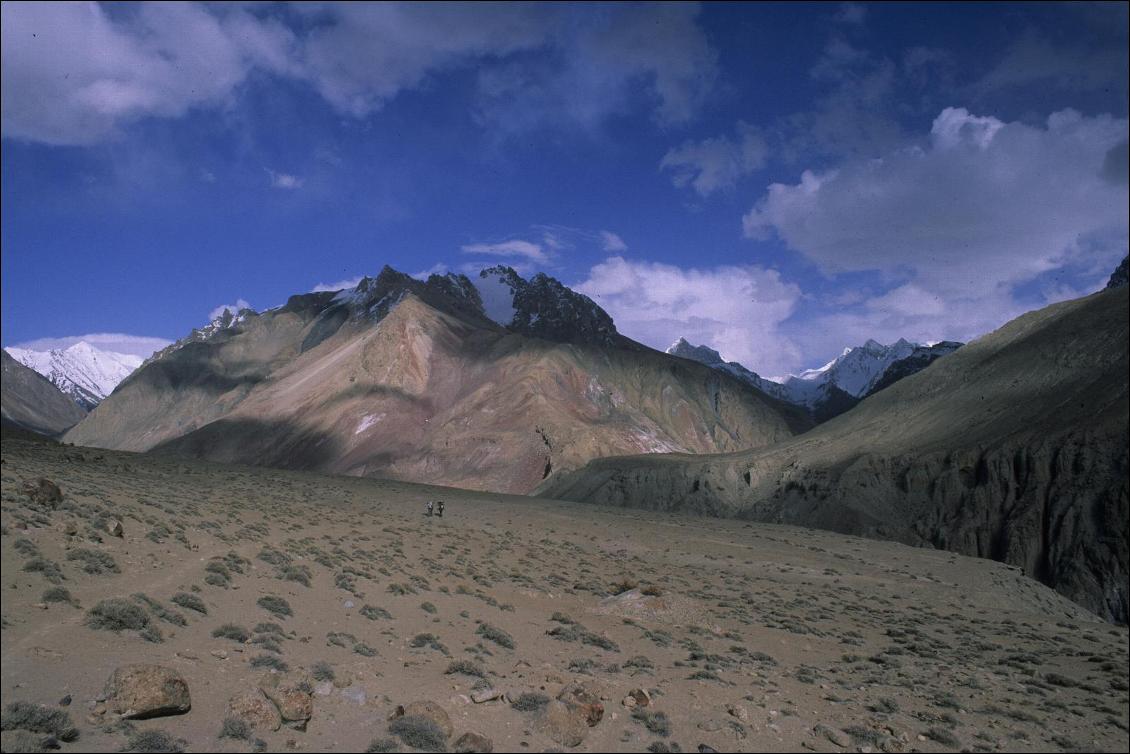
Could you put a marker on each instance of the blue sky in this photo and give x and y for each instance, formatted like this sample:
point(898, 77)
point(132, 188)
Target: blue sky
point(777, 181)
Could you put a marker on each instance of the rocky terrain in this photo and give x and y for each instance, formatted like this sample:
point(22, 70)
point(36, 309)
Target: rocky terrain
point(28, 400)
point(413, 380)
point(1014, 447)
point(159, 604)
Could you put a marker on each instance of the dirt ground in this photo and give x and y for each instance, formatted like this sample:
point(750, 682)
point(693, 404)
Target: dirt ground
point(744, 637)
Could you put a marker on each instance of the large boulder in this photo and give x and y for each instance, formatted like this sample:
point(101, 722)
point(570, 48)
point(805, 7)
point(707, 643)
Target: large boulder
point(255, 709)
point(142, 691)
point(295, 703)
point(563, 723)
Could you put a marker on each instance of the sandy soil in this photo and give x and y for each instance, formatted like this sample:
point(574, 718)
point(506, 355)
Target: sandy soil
point(746, 637)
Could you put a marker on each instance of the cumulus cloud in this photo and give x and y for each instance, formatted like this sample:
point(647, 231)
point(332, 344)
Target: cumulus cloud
point(439, 268)
point(76, 73)
point(736, 310)
point(338, 286)
point(512, 248)
point(716, 163)
point(73, 73)
point(285, 180)
point(957, 225)
point(233, 308)
point(115, 342)
point(611, 242)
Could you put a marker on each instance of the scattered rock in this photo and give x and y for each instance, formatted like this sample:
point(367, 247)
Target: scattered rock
point(473, 742)
point(142, 691)
point(637, 698)
point(253, 708)
point(738, 711)
point(325, 688)
point(44, 492)
point(115, 529)
point(355, 694)
point(563, 723)
point(296, 706)
point(588, 702)
point(835, 735)
point(485, 695)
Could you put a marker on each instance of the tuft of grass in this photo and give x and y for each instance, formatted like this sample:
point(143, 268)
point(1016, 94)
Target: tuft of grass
point(162, 612)
point(373, 613)
point(49, 569)
point(276, 605)
point(94, 561)
point(654, 721)
point(530, 702)
point(495, 634)
point(466, 667)
point(153, 741)
point(382, 745)
point(322, 671)
point(189, 602)
point(419, 733)
point(269, 661)
point(233, 727)
point(58, 594)
point(38, 719)
point(117, 614)
point(232, 631)
point(298, 573)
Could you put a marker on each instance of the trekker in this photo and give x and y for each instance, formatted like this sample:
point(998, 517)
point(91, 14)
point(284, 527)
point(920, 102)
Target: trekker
point(439, 508)
point(431, 505)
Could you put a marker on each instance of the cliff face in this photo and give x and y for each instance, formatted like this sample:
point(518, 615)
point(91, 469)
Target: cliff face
point(1015, 448)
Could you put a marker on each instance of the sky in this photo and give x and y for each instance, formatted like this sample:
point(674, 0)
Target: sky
point(777, 181)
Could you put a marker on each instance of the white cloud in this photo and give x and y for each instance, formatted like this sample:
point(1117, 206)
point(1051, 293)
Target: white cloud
point(439, 268)
point(285, 180)
point(717, 163)
point(736, 310)
point(338, 286)
point(115, 342)
point(513, 248)
point(956, 226)
point(611, 242)
point(233, 308)
point(75, 73)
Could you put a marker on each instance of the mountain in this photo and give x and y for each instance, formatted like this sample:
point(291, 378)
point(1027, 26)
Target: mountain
point(1120, 276)
point(1014, 447)
point(81, 371)
point(838, 385)
point(418, 380)
point(28, 400)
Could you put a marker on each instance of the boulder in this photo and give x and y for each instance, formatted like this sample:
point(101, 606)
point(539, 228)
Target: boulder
point(255, 709)
point(585, 699)
point(563, 723)
point(44, 492)
point(142, 691)
point(473, 742)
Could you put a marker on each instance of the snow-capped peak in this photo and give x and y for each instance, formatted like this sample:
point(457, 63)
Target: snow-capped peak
point(82, 371)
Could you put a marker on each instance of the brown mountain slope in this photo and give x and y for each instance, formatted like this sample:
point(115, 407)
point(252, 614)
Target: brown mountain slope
point(28, 400)
point(1013, 448)
point(423, 390)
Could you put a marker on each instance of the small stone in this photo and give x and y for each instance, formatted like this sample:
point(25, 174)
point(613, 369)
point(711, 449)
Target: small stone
point(325, 688)
point(65, 701)
point(641, 697)
point(115, 529)
point(219, 654)
point(738, 711)
point(355, 694)
point(485, 695)
point(473, 742)
point(836, 736)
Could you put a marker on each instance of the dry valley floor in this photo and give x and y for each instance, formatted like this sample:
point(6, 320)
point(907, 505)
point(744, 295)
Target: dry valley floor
point(307, 612)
